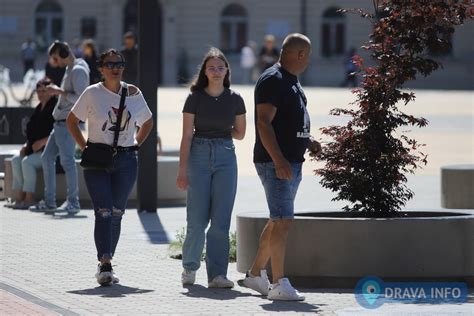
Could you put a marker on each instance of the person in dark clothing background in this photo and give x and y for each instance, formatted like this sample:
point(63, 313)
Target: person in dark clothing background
point(350, 68)
point(130, 53)
point(90, 56)
point(24, 164)
point(269, 54)
point(28, 55)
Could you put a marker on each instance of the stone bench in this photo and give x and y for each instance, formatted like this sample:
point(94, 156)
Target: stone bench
point(457, 186)
point(168, 194)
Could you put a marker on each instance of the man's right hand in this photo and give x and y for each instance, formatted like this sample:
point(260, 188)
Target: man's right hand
point(283, 170)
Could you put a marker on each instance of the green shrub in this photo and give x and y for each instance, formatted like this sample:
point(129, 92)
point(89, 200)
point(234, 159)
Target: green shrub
point(176, 246)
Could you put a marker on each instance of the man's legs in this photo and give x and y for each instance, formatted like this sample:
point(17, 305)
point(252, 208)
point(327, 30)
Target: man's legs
point(48, 160)
point(272, 245)
point(17, 173)
point(279, 235)
point(30, 164)
point(280, 196)
point(67, 147)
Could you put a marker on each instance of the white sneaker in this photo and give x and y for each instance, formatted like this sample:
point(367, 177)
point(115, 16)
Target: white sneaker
point(42, 207)
point(283, 291)
point(67, 207)
point(258, 283)
point(188, 277)
point(104, 274)
point(221, 281)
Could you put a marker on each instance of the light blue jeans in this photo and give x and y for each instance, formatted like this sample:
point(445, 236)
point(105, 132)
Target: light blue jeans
point(24, 172)
point(60, 143)
point(212, 184)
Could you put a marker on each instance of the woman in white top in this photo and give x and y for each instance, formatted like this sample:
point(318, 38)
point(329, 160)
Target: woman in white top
point(109, 189)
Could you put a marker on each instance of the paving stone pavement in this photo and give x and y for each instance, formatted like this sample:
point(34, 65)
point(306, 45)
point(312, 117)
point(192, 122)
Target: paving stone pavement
point(47, 263)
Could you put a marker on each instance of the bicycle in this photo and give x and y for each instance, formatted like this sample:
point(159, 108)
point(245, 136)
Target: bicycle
point(4, 81)
point(29, 82)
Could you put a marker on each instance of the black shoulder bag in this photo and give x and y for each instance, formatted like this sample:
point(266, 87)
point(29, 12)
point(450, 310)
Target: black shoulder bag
point(98, 156)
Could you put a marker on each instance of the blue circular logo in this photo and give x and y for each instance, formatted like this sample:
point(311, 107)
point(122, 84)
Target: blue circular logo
point(369, 292)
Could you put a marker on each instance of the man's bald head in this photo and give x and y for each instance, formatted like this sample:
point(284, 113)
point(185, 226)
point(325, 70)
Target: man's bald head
point(296, 42)
point(295, 53)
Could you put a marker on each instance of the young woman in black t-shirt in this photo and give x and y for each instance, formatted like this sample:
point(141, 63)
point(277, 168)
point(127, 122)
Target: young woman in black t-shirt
point(212, 116)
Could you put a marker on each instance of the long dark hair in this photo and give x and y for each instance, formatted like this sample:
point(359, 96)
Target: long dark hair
point(200, 81)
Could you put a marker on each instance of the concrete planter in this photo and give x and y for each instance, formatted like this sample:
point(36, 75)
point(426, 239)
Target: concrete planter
point(329, 251)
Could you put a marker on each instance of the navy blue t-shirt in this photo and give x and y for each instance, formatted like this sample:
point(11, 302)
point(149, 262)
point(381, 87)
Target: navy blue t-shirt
point(291, 122)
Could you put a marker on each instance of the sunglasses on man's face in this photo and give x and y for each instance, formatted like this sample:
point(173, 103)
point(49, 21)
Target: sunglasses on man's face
point(114, 65)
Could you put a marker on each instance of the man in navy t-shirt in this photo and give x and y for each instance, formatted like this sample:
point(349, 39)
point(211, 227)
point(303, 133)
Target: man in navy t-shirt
point(282, 137)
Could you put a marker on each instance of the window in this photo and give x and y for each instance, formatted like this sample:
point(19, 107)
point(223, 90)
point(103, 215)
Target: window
point(233, 28)
point(333, 32)
point(130, 14)
point(88, 27)
point(48, 23)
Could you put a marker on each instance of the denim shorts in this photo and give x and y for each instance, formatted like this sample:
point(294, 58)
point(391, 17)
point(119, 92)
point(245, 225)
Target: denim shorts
point(280, 193)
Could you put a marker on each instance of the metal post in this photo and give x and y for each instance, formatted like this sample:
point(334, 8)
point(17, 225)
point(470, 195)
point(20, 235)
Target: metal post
point(303, 15)
point(147, 184)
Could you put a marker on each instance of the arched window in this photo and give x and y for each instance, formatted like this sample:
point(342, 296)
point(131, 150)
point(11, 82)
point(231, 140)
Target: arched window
point(233, 28)
point(48, 23)
point(333, 32)
point(130, 17)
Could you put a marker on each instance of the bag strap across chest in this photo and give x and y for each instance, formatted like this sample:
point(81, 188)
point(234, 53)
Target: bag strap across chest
point(119, 114)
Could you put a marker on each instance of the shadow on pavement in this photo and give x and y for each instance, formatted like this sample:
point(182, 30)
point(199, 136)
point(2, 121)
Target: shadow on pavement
point(154, 229)
point(68, 216)
point(116, 290)
point(287, 306)
point(200, 291)
point(324, 290)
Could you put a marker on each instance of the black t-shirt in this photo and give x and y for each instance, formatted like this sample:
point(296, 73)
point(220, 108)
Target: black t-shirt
point(268, 57)
point(40, 124)
point(291, 122)
point(214, 116)
point(130, 73)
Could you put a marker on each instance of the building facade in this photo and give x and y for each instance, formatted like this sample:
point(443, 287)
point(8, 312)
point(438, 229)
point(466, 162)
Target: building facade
point(187, 28)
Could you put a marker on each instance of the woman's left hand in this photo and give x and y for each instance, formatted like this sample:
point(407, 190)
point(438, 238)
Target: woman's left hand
point(182, 182)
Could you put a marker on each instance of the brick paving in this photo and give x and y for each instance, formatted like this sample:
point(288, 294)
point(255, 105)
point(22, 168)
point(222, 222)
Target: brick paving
point(51, 260)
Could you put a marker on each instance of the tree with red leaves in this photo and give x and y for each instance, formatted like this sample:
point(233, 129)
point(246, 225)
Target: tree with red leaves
point(365, 163)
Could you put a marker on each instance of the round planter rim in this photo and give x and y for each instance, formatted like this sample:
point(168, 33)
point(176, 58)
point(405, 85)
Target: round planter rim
point(469, 215)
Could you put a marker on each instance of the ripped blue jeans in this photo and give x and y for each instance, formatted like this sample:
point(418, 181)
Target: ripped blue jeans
point(109, 191)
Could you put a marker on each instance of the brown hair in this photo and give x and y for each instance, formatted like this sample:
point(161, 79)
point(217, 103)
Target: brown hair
point(108, 52)
point(200, 81)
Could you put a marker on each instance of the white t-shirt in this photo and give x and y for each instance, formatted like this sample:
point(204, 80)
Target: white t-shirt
point(98, 106)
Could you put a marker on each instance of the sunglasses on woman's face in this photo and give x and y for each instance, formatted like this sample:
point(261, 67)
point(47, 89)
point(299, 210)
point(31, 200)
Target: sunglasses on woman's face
point(114, 65)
